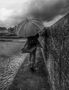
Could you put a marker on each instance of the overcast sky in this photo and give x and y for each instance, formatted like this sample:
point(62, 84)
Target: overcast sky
point(12, 12)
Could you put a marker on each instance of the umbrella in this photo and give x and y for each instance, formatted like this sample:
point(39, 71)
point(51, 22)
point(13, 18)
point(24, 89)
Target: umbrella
point(29, 27)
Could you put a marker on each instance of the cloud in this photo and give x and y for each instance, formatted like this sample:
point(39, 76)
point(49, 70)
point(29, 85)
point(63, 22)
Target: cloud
point(48, 9)
point(5, 13)
point(12, 12)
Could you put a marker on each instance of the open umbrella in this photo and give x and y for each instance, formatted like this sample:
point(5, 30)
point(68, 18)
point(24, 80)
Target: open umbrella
point(29, 27)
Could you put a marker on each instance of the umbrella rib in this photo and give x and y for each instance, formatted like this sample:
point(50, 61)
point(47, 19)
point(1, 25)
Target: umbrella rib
point(26, 25)
point(38, 22)
point(37, 26)
point(24, 29)
point(36, 19)
point(21, 26)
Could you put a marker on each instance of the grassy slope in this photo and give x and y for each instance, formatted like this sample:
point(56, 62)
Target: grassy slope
point(11, 47)
point(10, 60)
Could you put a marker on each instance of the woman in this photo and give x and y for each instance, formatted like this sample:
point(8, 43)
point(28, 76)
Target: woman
point(31, 47)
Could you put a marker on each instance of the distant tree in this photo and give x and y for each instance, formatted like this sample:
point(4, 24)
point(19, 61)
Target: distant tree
point(3, 28)
point(11, 30)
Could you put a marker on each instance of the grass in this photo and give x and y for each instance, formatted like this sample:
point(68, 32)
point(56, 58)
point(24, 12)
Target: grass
point(10, 60)
point(8, 69)
point(11, 47)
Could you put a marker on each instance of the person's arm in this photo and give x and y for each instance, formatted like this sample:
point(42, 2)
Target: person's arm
point(24, 48)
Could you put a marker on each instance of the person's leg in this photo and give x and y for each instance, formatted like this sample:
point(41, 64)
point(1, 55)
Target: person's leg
point(32, 58)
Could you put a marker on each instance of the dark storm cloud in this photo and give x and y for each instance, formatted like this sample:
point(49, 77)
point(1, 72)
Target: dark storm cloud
point(48, 9)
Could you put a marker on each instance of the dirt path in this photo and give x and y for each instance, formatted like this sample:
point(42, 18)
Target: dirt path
point(27, 79)
point(8, 68)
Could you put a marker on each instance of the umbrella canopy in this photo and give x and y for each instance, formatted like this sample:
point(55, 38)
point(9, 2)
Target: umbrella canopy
point(29, 27)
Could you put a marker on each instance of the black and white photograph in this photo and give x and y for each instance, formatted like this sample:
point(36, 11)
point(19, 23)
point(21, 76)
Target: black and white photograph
point(34, 44)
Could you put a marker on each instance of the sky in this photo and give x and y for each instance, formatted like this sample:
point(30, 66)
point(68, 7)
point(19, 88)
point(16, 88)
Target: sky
point(12, 12)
